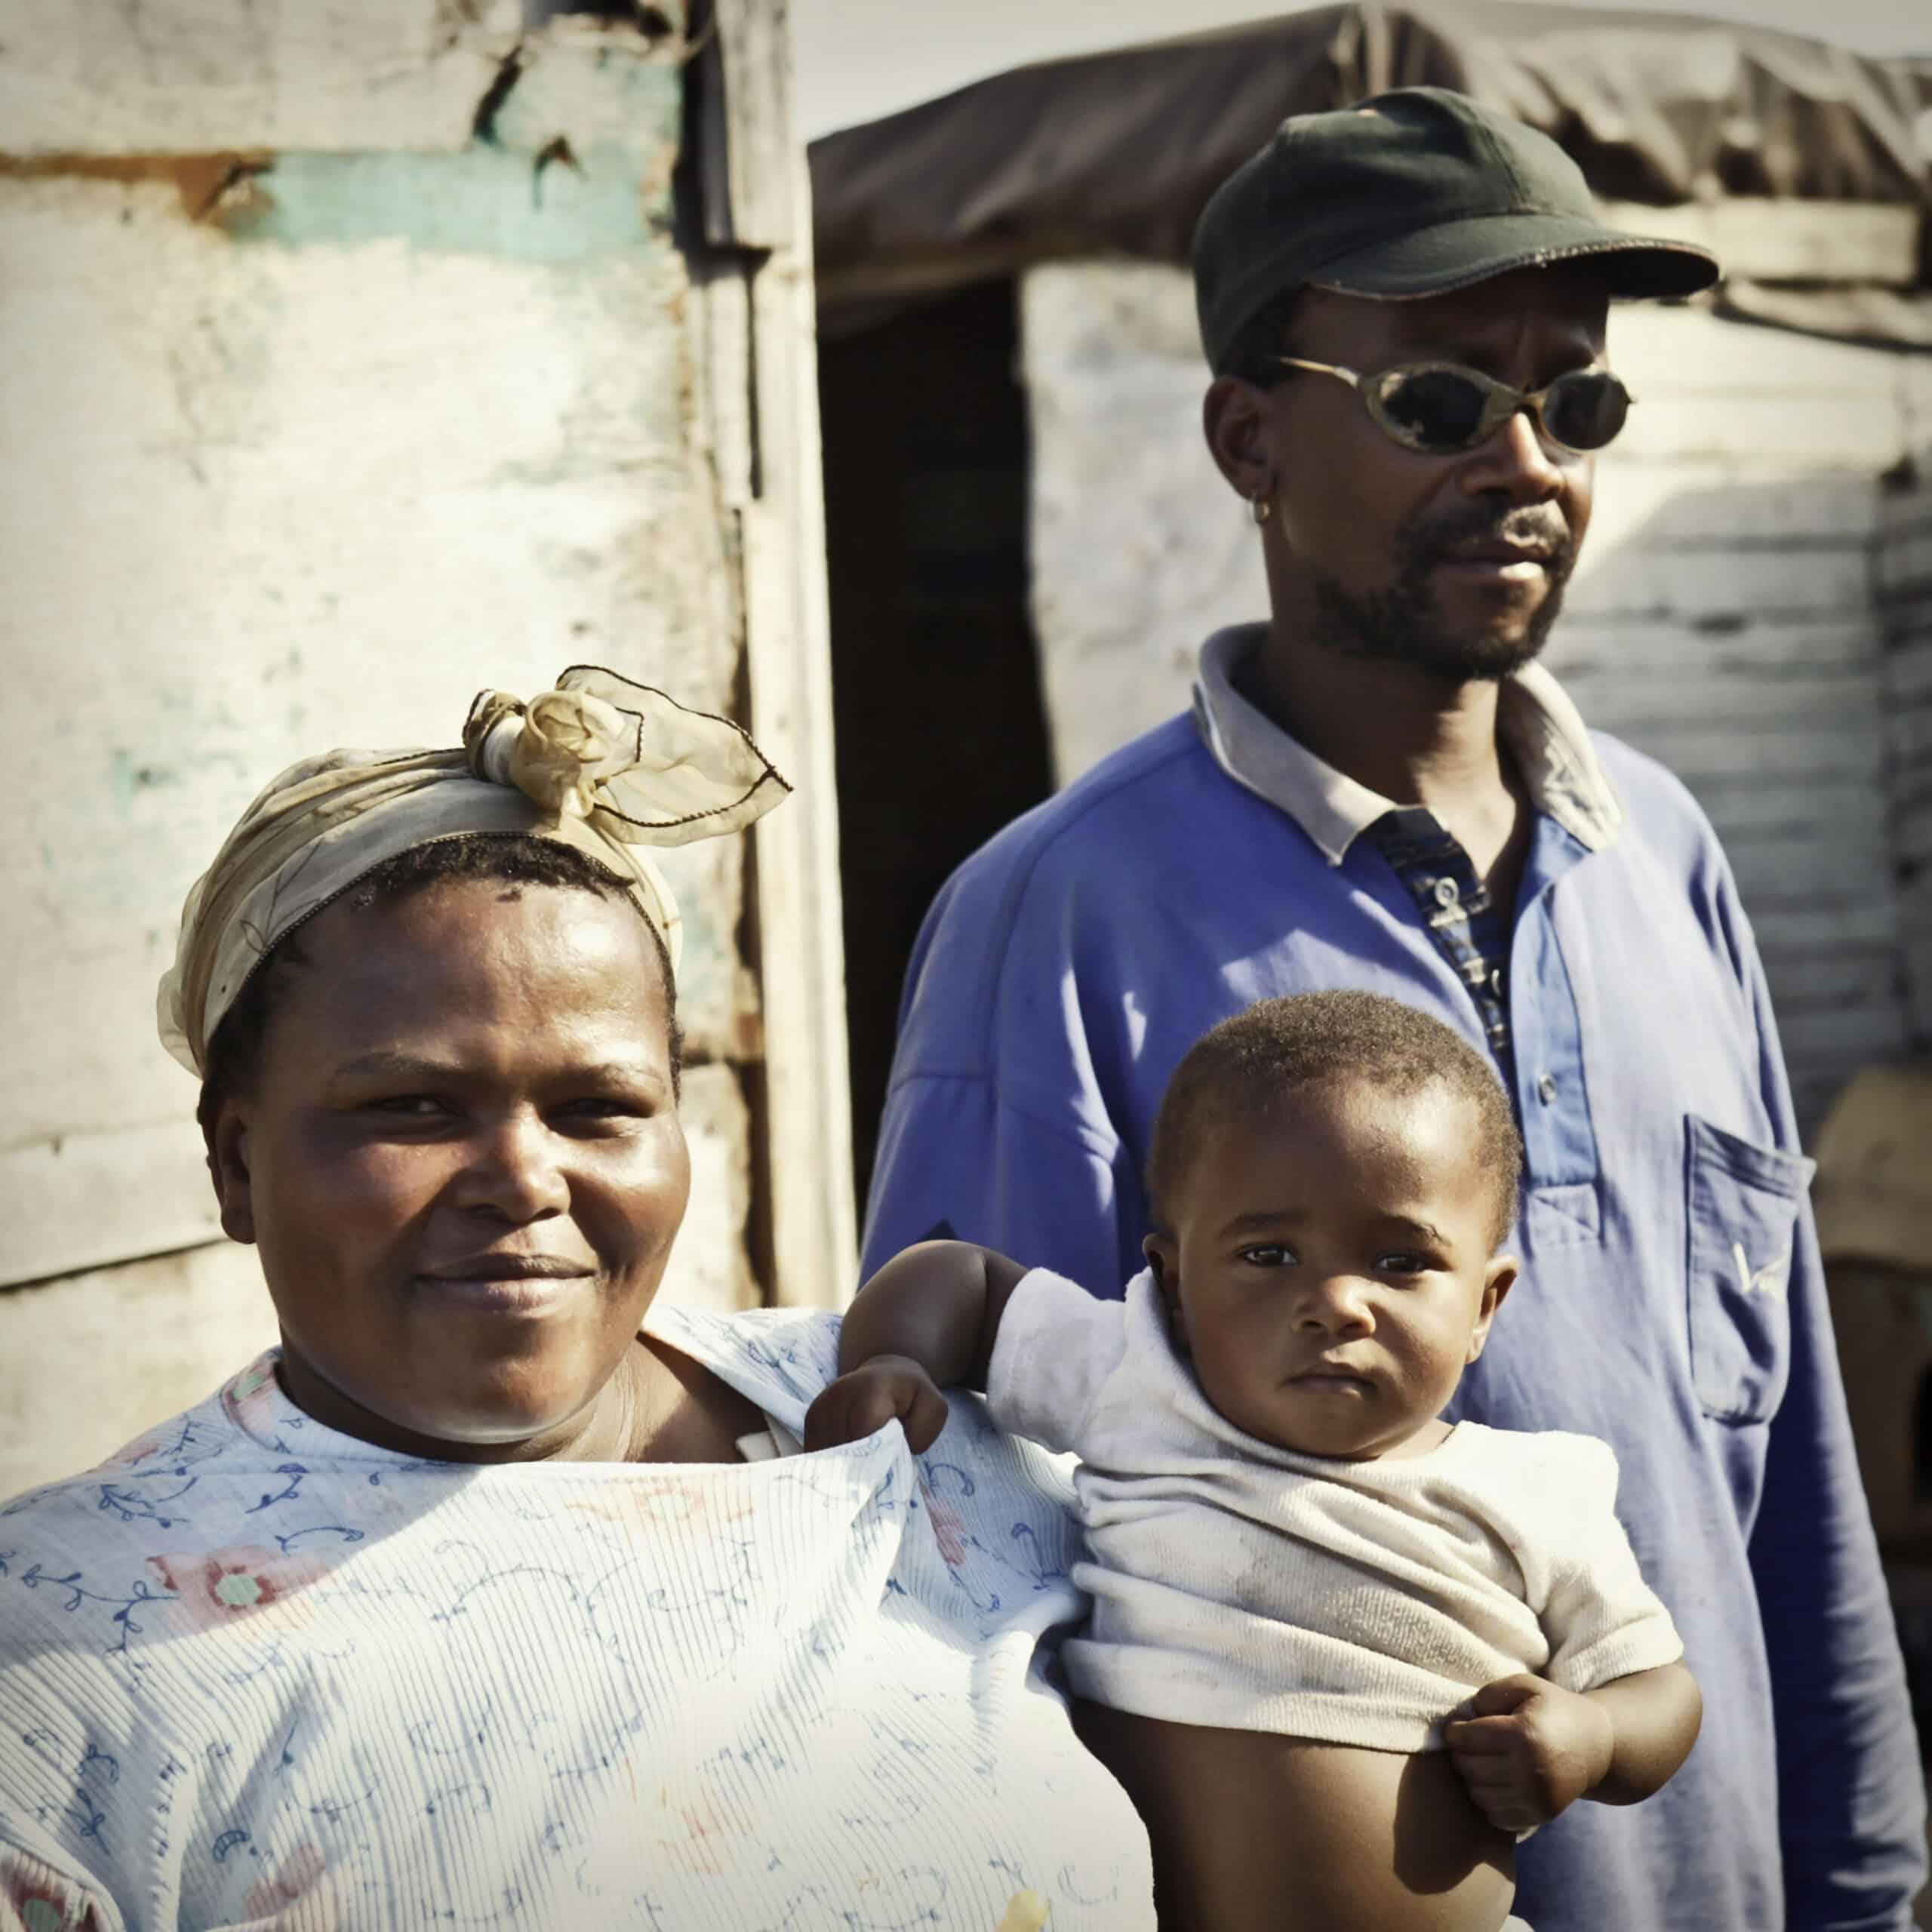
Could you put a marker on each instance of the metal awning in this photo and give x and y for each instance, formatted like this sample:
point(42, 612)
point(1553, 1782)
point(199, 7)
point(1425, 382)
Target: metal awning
point(1116, 153)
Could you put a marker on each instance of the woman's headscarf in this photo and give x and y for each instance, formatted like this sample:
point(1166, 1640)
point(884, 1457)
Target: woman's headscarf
point(600, 763)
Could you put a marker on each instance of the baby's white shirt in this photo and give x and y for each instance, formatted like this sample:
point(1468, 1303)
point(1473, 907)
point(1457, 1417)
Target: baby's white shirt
point(1241, 1585)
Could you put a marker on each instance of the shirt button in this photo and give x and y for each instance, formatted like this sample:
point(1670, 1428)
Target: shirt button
point(1547, 1088)
point(1445, 892)
point(1495, 982)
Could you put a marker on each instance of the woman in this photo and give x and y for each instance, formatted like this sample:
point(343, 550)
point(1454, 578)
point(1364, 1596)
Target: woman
point(464, 1606)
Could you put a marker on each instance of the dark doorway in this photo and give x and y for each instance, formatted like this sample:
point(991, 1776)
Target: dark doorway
point(1922, 1434)
point(936, 696)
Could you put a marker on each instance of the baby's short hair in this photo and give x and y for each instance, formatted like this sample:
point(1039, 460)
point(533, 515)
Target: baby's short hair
point(1247, 1062)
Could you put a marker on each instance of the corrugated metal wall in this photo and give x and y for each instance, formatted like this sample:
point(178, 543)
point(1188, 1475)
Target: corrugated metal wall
point(1728, 623)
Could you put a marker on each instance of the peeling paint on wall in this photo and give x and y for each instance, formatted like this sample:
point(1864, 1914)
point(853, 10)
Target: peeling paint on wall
point(203, 182)
point(300, 445)
point(488, 201)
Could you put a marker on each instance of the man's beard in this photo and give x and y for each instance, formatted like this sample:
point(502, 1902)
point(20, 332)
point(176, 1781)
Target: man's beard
point(1404, 625)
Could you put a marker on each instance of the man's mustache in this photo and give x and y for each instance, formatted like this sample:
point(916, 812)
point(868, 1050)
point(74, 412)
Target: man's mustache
point(1531, 526)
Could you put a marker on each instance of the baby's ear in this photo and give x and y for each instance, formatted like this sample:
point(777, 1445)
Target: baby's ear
point(1163, 1253)
point(1499, 1277)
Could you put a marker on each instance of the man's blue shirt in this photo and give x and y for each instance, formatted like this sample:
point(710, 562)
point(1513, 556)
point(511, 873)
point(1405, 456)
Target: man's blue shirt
point(1671, 1301)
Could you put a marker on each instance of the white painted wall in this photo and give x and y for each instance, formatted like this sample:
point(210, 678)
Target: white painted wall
point(1727, 625)
point(304, 462)
point(1723, 618)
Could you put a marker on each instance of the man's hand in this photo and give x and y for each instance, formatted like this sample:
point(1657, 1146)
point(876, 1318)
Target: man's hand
point(1528, 1750)
point(867, 1398)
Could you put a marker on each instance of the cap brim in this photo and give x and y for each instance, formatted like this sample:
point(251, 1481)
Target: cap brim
point(1457, 254)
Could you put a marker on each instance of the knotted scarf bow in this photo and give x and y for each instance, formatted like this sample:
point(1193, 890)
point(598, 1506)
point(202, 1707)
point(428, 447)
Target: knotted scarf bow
point(598, 763)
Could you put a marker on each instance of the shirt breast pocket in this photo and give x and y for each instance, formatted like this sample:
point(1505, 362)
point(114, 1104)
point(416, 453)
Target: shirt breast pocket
point(1742, 1202)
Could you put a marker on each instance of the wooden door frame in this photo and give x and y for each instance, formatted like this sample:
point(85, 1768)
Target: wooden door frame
point(754, 280)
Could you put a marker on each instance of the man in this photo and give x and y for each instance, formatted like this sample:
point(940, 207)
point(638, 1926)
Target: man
point(1404, 305)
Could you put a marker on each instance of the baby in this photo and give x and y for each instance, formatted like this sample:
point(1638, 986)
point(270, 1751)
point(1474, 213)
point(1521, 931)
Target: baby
point(1343, 1652)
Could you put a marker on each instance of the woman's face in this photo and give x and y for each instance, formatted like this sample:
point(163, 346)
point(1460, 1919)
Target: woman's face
point(462, 1162)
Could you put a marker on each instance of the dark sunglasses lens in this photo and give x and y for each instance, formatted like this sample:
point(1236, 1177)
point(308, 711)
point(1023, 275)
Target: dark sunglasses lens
point(1435, 409)
point(1585, 411)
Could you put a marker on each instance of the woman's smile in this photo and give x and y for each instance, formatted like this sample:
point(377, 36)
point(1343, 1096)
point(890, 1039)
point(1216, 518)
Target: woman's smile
point(462, 1165)
point(517, 1285)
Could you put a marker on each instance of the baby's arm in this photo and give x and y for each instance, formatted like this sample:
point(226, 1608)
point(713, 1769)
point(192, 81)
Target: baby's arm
point(1530, 1748)
point(928, 1318)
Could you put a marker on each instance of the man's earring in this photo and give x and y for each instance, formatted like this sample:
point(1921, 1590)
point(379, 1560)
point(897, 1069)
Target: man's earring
point(1263, 507)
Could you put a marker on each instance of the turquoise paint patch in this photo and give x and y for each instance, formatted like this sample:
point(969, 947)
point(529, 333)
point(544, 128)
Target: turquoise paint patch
point(487, 201)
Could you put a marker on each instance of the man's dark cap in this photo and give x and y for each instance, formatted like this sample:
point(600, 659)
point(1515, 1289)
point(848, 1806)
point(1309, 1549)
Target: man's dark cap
point(1412, 192)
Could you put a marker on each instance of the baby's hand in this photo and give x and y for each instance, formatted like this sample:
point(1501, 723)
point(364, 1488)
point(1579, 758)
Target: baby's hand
point(1529, 1750)
point(867, 1398)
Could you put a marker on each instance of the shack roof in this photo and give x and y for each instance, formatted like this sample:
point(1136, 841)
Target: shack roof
point(1116, 153)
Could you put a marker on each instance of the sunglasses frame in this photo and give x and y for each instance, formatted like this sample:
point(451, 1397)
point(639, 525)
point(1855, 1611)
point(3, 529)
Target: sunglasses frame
point(1499, 402)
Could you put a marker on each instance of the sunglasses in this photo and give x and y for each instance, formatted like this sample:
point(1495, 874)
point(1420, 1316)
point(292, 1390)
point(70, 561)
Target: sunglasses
point(1441, 408)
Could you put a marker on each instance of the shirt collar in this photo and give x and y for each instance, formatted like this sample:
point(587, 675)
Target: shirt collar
point(1535, 719)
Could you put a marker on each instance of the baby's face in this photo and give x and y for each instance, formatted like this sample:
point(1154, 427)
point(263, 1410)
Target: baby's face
point(1330, 1274)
